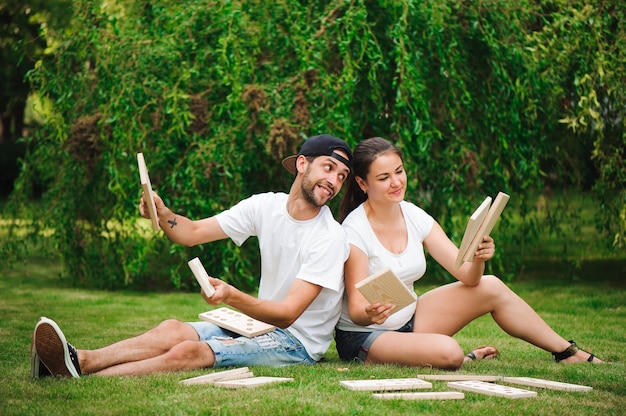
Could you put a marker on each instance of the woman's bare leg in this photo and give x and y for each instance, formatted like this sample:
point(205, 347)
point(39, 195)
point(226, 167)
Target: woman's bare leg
point(447, 309)
point(416, 350)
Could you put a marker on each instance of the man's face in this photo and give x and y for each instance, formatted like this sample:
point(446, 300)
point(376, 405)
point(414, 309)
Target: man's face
point(323, 179)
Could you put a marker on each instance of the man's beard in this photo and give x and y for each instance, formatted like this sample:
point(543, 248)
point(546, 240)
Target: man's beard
point(308, 191)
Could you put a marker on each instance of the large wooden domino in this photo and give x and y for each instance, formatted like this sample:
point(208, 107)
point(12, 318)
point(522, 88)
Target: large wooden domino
point(237, 322)
point(201, 276)
point(473, 224)
point(234, 374)
point(458, 377)
point(386, 384)
point(252, 382)
point(431, 395)
point(545, 384)
point(385, 287)
point(491, 389)
point(487, 226)
point(147, 190)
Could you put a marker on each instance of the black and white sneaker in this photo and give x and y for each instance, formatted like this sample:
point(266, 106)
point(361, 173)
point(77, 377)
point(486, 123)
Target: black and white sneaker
point(53, 351)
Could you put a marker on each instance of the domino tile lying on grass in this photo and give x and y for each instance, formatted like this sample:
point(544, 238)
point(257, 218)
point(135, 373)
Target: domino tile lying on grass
point(234, 374)
point(458, 377)
point(491, 389)
point(252, 382)
point(386, 384)
point(545, 384)
point(432, 395)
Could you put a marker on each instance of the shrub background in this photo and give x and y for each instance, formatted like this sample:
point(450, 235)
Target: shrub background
point(524, 97)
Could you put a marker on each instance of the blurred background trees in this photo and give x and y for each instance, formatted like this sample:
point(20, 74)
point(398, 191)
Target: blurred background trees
point(527, 98)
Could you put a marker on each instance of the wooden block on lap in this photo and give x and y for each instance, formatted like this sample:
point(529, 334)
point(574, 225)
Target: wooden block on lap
point(386, 287)
point(237, 322)
point(252, 382)
point(201, 276)
point(386, 384)
point(431, 395)
point(546, 384)
point(147, 190)
point(491, 389)
point(234, 374)
point(458, 377)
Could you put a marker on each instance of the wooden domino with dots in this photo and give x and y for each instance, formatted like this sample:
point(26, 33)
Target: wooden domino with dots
point(545, 384)
point(237, 322)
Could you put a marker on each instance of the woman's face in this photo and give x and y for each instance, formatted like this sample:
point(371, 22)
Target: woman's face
point(386, 180)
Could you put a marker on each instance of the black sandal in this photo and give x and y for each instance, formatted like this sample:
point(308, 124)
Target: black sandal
point(569, 351)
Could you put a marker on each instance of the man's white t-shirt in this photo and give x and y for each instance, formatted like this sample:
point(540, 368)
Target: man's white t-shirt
point(409, 265)
point(314, 250)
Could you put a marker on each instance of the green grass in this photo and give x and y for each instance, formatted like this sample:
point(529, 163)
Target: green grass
point(592, 311)
point(583, 299)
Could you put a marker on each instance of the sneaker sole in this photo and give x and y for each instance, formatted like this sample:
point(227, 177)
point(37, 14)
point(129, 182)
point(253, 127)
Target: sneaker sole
point(37, 368)
point(51, 348)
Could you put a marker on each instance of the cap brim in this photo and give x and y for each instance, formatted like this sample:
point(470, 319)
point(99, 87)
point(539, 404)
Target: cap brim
point(289, 163)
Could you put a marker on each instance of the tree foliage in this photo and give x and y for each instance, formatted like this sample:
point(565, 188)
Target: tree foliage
point(481, 96)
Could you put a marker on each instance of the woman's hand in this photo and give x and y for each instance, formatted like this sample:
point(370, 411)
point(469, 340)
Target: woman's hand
point(485, 250)
point(379, 312)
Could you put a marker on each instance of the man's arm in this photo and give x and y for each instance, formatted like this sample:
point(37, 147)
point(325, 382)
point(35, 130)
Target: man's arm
point(181, 229)
point(281, 314)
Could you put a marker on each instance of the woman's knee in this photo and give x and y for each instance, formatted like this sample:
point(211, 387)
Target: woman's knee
point(493, 285)
point(450, 355)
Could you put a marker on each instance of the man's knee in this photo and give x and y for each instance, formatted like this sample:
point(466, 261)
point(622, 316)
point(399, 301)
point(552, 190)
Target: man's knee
point(189, 355)
point(177, 330)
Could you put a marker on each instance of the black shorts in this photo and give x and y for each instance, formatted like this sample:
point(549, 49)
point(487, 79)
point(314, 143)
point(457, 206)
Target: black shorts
point(354, 345)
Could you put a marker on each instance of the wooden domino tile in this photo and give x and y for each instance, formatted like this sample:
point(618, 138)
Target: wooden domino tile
point(458, 377)
point(431, 395)
point(234, 374)
point(147, 190)
point(252, 382)
point(491, 389)
point(545, 384)
point(386, 384)
point(237, 322)
point(201, 276)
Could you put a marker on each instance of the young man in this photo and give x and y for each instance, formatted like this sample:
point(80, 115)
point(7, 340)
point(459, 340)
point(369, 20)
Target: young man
point(303, 250)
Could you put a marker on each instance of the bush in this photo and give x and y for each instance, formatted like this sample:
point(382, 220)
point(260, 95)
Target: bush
point(482, 97)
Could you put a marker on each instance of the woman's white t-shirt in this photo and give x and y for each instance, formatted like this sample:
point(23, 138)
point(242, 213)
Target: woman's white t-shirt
point(409, 265)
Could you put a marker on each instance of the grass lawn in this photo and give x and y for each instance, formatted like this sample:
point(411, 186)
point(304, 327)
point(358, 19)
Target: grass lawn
point(585, 301)
point(592, 311)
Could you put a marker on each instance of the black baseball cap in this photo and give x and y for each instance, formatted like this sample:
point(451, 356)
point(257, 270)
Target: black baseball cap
point(322, 145)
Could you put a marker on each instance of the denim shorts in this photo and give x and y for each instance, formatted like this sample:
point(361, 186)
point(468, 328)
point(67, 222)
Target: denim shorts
point(354, 346)
point(278, 348)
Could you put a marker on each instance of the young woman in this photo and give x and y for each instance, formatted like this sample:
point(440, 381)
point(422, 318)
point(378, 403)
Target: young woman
point(384, 230)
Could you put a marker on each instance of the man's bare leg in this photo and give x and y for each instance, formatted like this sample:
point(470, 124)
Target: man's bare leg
point(151, 344)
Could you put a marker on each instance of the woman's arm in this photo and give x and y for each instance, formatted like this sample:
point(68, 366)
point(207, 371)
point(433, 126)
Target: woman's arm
point(360, 310)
